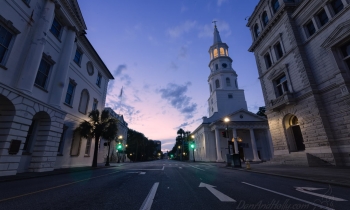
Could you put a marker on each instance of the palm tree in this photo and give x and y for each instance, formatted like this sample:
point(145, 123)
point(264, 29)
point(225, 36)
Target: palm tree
point(98, 126)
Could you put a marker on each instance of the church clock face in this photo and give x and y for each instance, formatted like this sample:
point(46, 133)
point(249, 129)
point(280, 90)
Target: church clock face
point(224, 65)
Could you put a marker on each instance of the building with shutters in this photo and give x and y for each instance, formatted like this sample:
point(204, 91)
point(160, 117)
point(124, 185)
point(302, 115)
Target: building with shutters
point(50, 78)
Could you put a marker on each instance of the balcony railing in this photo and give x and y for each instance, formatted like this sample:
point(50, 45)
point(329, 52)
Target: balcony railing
point(286, 99)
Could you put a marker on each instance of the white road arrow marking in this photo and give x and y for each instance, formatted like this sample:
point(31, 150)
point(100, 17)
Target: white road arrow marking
point(222, 197)
point(308, 189)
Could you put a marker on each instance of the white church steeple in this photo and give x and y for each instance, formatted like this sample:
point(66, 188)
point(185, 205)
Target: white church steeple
point(225, 97)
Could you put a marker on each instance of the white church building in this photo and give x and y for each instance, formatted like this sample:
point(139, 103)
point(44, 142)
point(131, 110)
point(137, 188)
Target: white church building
point(243, 132)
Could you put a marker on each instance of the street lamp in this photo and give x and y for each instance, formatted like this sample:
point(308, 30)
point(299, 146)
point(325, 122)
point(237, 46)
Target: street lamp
point(227, 120)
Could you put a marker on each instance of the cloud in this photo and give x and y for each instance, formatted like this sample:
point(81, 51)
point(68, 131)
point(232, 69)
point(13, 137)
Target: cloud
point(220, 2)
point(173, 66)
point(126, 79)
point(176, 95)
point(183, 52)
point(208, 29)
point(116, 73)
point(181, 29)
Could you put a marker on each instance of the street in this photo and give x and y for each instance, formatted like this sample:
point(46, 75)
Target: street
point(168, 184)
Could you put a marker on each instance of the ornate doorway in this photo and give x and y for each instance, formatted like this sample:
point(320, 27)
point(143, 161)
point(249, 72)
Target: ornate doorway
point(294, 135)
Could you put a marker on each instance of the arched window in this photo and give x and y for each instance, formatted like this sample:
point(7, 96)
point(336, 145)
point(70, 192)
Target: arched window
point(275, 5)
point(265, 18)
point(211, 89)
point(228, 81)
point(217, 83)
point(84, 101)
point(222, 51)
point(216, 66)
point(216, 53)
point(256, 30)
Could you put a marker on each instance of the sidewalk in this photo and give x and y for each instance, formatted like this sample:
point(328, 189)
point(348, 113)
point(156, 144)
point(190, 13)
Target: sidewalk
point(30, 175)
point(329, 175)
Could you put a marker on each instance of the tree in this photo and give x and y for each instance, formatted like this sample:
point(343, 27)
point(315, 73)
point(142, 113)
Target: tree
point(261, 112)
point(98, 126)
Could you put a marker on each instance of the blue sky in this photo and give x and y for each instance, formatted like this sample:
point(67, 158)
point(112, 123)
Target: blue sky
point(157, 51)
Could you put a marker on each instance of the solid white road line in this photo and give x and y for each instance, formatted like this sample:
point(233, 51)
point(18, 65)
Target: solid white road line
point(197, 168)
point(308, 189)
point(151, 169)
point(147, 203)
point(142, 173)
point(288, 196)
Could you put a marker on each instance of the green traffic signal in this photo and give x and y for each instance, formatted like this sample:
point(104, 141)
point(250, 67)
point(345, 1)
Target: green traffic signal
point(192, 145)
point(119, 147)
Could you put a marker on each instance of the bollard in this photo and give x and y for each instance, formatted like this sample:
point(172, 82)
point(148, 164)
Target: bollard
point(247, 165)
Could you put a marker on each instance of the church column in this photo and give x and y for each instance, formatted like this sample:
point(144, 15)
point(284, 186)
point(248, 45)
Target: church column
point(254, 148)
point(62, 68)
point(235, 142)
point(218, 146)
point(36, 49)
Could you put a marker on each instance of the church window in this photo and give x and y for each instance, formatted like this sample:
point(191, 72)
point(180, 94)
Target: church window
point(337, 6)
point(217, 83)
point(228, 82)
point(211, 89)
point(216, 66)
point(216, 53)
point(278, 50)
point(256, 30)
point(230, 96)
point(211, 101)
point(268, 61)
point(275, 5)
point(346, 53)
point(224, 65)
point(281, 85)
point(322, 17)
point(236, 83)
point(265, 18)
point(222, 51)
point(84, 101)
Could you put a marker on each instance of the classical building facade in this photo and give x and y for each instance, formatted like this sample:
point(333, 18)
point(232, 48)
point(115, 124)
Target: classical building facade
point(244, 132)
point(122, 138)
point(302, 51)
point(50, 78)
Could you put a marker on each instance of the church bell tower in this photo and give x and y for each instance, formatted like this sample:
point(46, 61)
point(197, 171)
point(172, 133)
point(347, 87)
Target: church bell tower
point(225, 96)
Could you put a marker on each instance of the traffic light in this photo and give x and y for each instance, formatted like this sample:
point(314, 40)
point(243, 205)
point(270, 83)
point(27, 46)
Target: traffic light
point(224, 134)
point(192, 145)
point(119, 146)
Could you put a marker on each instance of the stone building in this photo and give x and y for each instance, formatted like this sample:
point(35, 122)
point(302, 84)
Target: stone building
point(302, 51)
point(50, 78)
point(244, 132)
point(122, 137)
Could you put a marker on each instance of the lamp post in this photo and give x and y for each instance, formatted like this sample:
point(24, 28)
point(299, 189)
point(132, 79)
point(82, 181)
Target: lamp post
point(226, 120)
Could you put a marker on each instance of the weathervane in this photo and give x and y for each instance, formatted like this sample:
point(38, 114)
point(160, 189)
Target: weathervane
point(214, 21)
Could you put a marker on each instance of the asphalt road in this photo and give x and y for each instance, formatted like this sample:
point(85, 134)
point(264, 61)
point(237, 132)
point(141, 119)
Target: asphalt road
point(167, 184)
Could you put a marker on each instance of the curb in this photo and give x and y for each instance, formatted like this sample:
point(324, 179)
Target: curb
point(293, 177)
point(53, 174)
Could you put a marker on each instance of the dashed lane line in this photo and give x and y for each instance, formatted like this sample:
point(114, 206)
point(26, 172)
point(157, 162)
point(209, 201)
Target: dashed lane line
point(197, 168)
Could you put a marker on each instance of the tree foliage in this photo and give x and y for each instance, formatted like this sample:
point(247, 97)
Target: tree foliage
point(261, 111)
point(140, 148)
point(99, 125)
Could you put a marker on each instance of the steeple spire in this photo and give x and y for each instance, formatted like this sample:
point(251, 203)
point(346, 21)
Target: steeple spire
point(217, 38)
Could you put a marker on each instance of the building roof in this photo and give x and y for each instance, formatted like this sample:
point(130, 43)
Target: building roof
point(217, 38)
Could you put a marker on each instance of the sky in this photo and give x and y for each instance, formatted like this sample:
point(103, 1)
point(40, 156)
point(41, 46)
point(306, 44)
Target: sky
point(157, 51)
